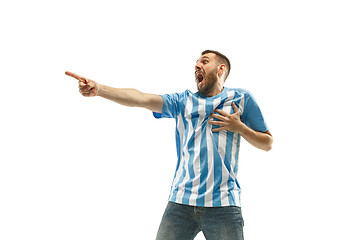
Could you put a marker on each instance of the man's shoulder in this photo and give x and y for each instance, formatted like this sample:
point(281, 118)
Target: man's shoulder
point(185, 92)
point(240, 91)
point(177, 96)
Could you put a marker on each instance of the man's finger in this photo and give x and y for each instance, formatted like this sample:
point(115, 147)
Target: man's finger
point(81, 84)
point(84, 87)
point(218, 129)
point(78, 77)
point(236, 110)
point(221, 112)
point(217, 116)
point(71, 74)
point(220, 123)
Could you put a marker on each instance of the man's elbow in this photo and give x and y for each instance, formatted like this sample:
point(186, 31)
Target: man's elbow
point(268, 145)
point(267, 148)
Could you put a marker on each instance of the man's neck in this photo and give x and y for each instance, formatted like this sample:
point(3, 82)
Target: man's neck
point(215, 92)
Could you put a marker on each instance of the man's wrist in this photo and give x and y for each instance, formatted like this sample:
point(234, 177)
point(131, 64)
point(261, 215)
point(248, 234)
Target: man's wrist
point(242, 128)
point(100, 90)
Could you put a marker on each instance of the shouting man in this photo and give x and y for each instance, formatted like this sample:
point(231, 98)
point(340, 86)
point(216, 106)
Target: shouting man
point(205, 193)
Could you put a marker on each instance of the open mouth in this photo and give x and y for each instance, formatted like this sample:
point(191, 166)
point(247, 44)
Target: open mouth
point(199, 77)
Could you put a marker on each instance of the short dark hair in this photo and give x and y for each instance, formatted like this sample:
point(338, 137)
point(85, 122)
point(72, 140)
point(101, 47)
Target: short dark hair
point(222, 59)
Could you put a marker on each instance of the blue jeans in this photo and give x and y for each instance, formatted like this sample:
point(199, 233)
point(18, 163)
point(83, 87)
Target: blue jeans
point(183, 222)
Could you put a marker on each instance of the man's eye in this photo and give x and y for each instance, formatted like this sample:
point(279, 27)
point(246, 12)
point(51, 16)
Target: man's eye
point(205, 61)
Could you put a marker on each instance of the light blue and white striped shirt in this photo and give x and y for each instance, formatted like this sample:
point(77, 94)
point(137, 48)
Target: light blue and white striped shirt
point(207, 163)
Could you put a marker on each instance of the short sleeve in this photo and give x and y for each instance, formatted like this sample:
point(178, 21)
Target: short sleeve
point(252, 115)
point(171, 106)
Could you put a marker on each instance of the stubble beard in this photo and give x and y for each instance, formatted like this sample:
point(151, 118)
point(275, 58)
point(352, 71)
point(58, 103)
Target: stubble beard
point(209, 84)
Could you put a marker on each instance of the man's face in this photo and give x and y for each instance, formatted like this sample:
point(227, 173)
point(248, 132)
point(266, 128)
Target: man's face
point(206, 73)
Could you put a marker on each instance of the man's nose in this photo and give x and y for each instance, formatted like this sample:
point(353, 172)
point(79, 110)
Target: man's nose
point(197, 67)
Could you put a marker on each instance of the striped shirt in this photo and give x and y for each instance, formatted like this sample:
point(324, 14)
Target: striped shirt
point(207, 161)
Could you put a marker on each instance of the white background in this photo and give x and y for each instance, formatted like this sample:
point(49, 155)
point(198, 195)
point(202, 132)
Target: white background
point(86, 168)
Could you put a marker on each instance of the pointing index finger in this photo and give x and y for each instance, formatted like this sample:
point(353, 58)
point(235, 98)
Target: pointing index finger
point(78, 77)
point(74, 75)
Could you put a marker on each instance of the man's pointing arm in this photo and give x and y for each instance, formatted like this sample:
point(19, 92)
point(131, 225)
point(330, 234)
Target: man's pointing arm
point(126, 97)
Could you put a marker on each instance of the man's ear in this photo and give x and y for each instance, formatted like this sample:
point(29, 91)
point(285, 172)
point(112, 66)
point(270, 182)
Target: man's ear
point(221, 70)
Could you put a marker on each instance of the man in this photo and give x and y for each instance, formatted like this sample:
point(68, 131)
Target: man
point(205, 194)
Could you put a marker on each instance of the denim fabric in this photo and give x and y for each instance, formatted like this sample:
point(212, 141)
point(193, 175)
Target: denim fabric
point(183, 222)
